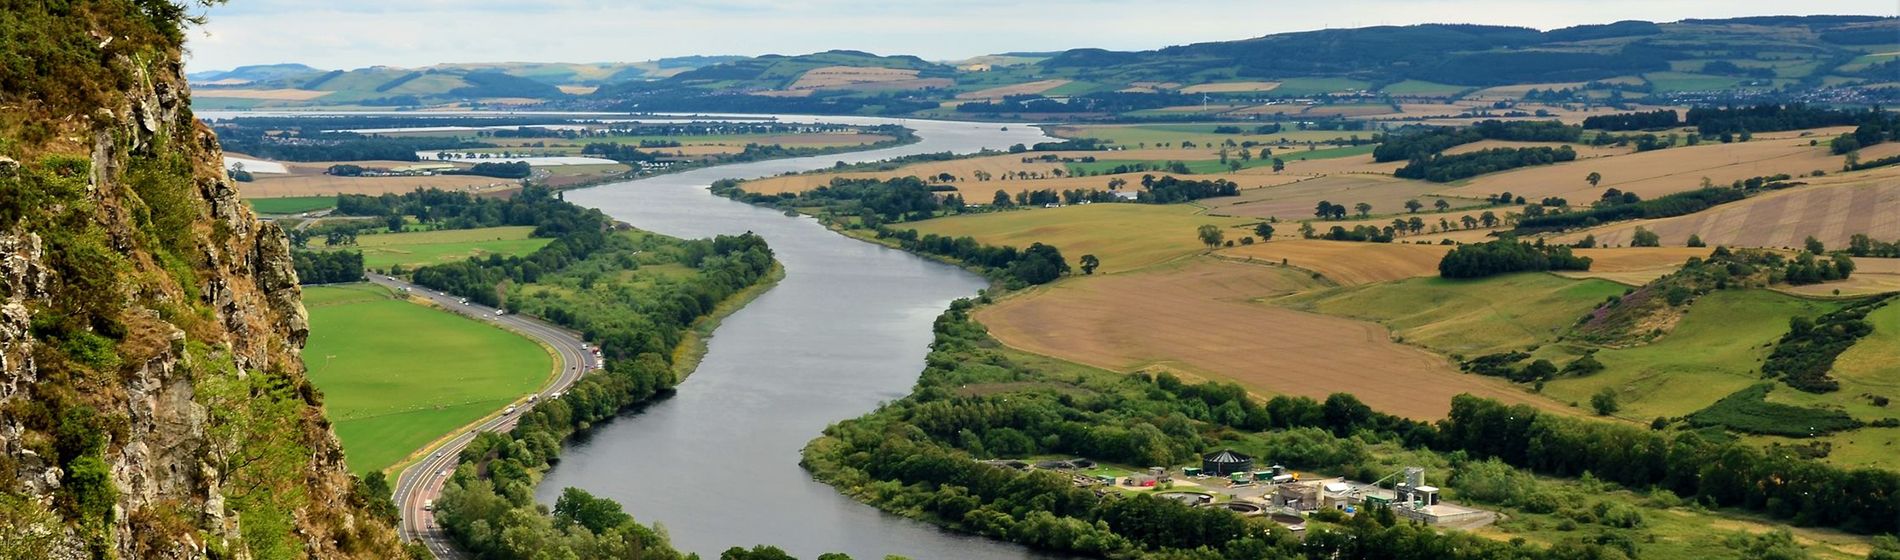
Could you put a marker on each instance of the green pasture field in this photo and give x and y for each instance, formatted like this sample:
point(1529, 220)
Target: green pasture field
point(418, 248)
point(1203, 134)
point(1123, 236)
point(1869, 368)
point(1209, 166)
point(1683, 81)
point(1466, 317)
point(1316, 86)
point(396, 375)
point(291, 205)
point(1421, 87)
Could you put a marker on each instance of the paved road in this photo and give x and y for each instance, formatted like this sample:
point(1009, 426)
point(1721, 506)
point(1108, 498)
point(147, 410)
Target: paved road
point(422, 482)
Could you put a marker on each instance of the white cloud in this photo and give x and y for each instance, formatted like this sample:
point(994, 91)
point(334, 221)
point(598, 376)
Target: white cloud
point(356, 33)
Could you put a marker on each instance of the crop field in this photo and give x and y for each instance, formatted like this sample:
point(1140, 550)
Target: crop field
point(412, 249)
point(1634, 266)
point(1829, 212)
point(1667, 82)
point(1316, 86)
point(1296, 201)
point(1124, 236)
point(1518, 91)
point(388, 395)
point(1583, 151)
point(964, 170)
point(1175, 134)
point(1656, 173)
point(1716, 350)
point(1344, 262)
point(291, 205)
point(1422, 88)
point(1197, 317)
point(1468, 317)
point(1214, 166)
point(306, 179)
point(1871, 276)
point(1231, 87)
point(1025, 88)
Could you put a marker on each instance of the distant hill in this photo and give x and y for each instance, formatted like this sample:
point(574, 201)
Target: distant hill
point(251, 73)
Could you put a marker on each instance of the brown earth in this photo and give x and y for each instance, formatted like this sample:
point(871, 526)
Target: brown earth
point(1660, 172)
point(1197, 317)
point(1345, 262)
point(1832, 210)
point(1296, 201)
point(1013, 89)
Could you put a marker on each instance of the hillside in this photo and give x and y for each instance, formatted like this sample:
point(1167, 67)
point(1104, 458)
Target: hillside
point(153, 403)
point(285, 85)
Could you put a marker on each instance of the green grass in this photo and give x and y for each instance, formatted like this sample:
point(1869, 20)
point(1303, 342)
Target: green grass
point(1469, 317)
point(396, 375)
point(1682, 81)
point(1175, 134)
point(1316, 86)
point(1715, 351)
point(291, 205)
point(1123, 236)
point(1209, 166)
point(412, 249)
point(1869, 368)
point(1421, 87)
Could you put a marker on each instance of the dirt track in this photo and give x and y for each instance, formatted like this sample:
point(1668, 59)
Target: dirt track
point(1196, 317)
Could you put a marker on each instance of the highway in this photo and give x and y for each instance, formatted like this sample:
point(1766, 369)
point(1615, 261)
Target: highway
point(422, 482)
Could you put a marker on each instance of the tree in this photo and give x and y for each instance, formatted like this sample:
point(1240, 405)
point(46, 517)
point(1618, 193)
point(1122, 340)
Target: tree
point(1210, 235)
point(1039, 264)
point(1441, 205)
point(1469, 221)
point(1814, 245)
point(1363, 208)
point(1415, 224)
point(1264, 230)
point(1413, 206)
point(1279, 164)
point(1645, 238)
point(1089, 263)
point(1488, 218)
point(1696, 241)
point(1116, 183)
point(1604, 402)
point(1594, 178)
point(1001, 199)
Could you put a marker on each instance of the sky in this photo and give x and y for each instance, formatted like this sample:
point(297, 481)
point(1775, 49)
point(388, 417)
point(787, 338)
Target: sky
point(333, 34)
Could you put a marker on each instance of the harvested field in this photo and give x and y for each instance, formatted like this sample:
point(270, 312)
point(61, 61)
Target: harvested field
point(1124, 236)
point(1518, 91)
point(578, 90)
point(1013, 89)
point(1464, 317)
point(1345, 262)
point(1329, 166)
point(271, 94)
point(1296, 201)
point(1871, 276)
point(980, 191)
point(1231, 87)
point(838, 76)
point(1197, 317)
point(1831, 213)
point(1657, 173)
point(1634, 266)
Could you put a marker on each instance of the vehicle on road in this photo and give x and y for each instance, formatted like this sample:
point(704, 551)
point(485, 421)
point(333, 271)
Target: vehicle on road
point(428, 505)
point(511, 410)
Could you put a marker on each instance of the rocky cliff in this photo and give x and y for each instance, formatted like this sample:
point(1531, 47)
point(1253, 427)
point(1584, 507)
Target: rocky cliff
point(152, 401)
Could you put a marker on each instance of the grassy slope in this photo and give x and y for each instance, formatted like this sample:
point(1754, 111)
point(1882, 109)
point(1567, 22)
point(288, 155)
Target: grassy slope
point(1716, 350)
point(1869, 368)
point(1123, 236)
point(389, 395)
point(412, 249)
point(291, 205)
point(1469, 317)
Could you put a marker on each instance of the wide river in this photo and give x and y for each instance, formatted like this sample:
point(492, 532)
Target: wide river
point(847, 329)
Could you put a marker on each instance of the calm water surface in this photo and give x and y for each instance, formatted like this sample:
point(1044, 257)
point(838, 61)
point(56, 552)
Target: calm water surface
point(717, 464)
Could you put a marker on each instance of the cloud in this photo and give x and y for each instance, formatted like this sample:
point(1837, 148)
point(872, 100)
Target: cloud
point(357, 33)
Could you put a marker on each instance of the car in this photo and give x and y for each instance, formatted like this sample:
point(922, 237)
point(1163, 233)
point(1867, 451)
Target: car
point(511, 410)
point(428, 505)
point(445, 472)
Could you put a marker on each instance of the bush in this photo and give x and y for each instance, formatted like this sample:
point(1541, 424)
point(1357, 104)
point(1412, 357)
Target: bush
point(1604, 402)
point(1749, 412)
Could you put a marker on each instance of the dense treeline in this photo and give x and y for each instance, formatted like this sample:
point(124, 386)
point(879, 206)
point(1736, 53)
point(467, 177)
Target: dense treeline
point(502, 170)
point(1443, 168)
point(1803, 357)
point(1733, 474)
point(1614, 209)
point(1424, 143)
point(1503, 256)
point(328, 267)
point(1169, 190)
point(1712, 121)
point(1872, 128)
point(1650, 120)
point(308, 140)
point(536, 206)
point(1748, 411)
point(1038, 264)
point(488, 505)
point(1097, 102)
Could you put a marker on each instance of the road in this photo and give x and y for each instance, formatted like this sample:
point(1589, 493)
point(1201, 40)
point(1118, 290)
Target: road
point(422, 482)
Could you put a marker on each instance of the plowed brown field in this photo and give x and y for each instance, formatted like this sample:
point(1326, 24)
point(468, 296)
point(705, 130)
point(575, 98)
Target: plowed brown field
point(1197, 317)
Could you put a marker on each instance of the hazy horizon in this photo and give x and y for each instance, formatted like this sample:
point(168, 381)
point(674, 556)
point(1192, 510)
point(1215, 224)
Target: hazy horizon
point(358, 33)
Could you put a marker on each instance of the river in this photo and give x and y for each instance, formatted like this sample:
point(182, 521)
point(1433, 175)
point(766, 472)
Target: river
point(847, 329)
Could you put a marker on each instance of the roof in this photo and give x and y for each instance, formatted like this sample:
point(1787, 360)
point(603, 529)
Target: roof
point(1228, 456)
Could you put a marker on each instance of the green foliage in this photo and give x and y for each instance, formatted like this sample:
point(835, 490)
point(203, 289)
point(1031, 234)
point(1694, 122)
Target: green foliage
point(1443, 168)
point(1748, 411)
point(1803, 357)
point(328, 267)
point(1507, 255)
point(1604, 402)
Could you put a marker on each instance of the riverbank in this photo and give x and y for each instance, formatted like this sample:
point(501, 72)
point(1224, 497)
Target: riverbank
point(692, 348)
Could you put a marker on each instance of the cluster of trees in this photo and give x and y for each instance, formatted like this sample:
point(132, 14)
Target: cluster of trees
point(1861, 245)
point(1874, 128)
point(1039, 264)
point(616, 151)
point(1442, 168)
point(1650, 120)
point(257, 138)
point(1432, 140)
point(327, 267)
point(1617, 208)
point(1169, 190)
point(1098, 102)
point(1806, 268)
point(536, 206)
point(1362, 233)
point(1803, 357)
point(1503, 256)
point(502, 170)
point(1713, 121)
point(1748, 411)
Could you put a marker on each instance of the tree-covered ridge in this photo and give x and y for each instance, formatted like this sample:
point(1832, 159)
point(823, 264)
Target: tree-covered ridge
point(1647, 312)
point(1403, 146)
point(1440, 168)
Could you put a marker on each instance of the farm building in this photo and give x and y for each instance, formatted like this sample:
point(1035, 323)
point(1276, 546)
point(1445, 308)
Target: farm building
point(1226, 462)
